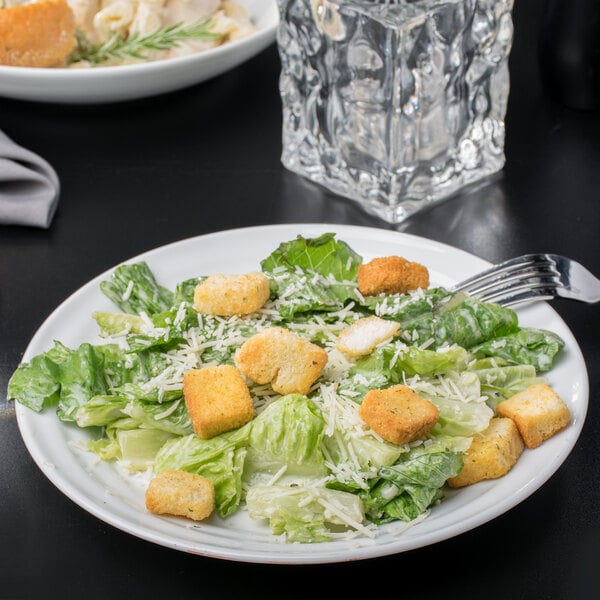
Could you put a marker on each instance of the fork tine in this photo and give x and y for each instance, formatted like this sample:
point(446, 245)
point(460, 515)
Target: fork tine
point(515, 268)
point(507, 279)
point(522, 292)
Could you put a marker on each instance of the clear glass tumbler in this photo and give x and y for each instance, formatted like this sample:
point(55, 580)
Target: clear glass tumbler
point(396, 104)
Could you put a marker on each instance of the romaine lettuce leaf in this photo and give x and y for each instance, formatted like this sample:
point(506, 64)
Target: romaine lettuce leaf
point(305, 514)
point(287, 433)
point(527, 346)
point(357, 458)
point(460, 418)
point(184, 291)
point(131, 368)
point(138, 447)
point(499, 383)
point(134, 289)
point(395, 361)
point(407, 308)
point(458, 397)
point(221, 459)
point(135, 448)
point(132, 391)
point(100, 411)
point(299, 292)
point(81, 378)
point(190, 452)
point(36, 384)
point(473, 322)
point(324, 255)
point(169, 416)
point(408, 488)
point(312, 274)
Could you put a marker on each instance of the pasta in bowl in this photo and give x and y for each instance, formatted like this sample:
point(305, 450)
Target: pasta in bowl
point(130, 49)
point(154, 29)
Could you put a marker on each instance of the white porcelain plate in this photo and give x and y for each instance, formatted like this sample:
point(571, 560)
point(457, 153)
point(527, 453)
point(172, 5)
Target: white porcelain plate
point(101, 489)
point(100, 85)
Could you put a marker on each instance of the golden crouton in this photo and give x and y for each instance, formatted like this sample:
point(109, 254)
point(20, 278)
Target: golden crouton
point(363, 335)
point(538, 411)
point(398, 414)
point(40, 34)
point(492, 453)
point(180, 493)
point(228, 295)
point(282, 358)
point(217, 400)
point(391, 275)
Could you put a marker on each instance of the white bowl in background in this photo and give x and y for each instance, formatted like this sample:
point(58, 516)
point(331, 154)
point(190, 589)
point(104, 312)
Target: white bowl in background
point(98, 85)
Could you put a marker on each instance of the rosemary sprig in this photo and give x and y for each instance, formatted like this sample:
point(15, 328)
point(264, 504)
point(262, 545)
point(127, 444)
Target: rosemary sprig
point(138, 46)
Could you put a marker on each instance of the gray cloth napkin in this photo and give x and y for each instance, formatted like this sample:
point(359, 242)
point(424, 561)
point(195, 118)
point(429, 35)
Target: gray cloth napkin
point(29, 186)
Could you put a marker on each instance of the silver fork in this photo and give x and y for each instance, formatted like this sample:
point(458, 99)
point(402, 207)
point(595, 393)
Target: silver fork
point(533, 277)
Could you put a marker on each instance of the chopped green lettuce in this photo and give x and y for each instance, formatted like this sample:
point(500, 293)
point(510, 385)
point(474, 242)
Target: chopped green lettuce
point(134, 289)
point(288, 433)
point(527, 346)
point(499, 383)
point(138, 447)
point(316, 274)
point(356, 458)
point(393, 363)
point(408, 488)
point(473, 322)
point(220, 459)
point(457, 395)
point(36, 384)
point(324, 255)
point(81, 377)
point(184, 291)
point(409, 308)
point(100, 411)
point(305, 514)
point(171, 416)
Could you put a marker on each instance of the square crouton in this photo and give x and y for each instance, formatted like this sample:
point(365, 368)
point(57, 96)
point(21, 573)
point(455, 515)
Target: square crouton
point(492, 453)
point(363, 335)
point(282, 358)
point(391, 275)
point(538, 411)
point(398, 414)
point(228, 295)
point(217, 400)
point(180, 493)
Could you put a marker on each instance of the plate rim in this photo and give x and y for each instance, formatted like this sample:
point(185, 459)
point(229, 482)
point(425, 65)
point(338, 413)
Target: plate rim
point(278, 554)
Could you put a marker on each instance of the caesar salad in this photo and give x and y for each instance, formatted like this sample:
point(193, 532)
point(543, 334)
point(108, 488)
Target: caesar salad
point(313, 394)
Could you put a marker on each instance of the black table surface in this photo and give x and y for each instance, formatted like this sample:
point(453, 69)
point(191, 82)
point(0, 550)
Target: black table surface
point(142, 174)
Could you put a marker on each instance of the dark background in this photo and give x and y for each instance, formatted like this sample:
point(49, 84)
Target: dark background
point(142, 174)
